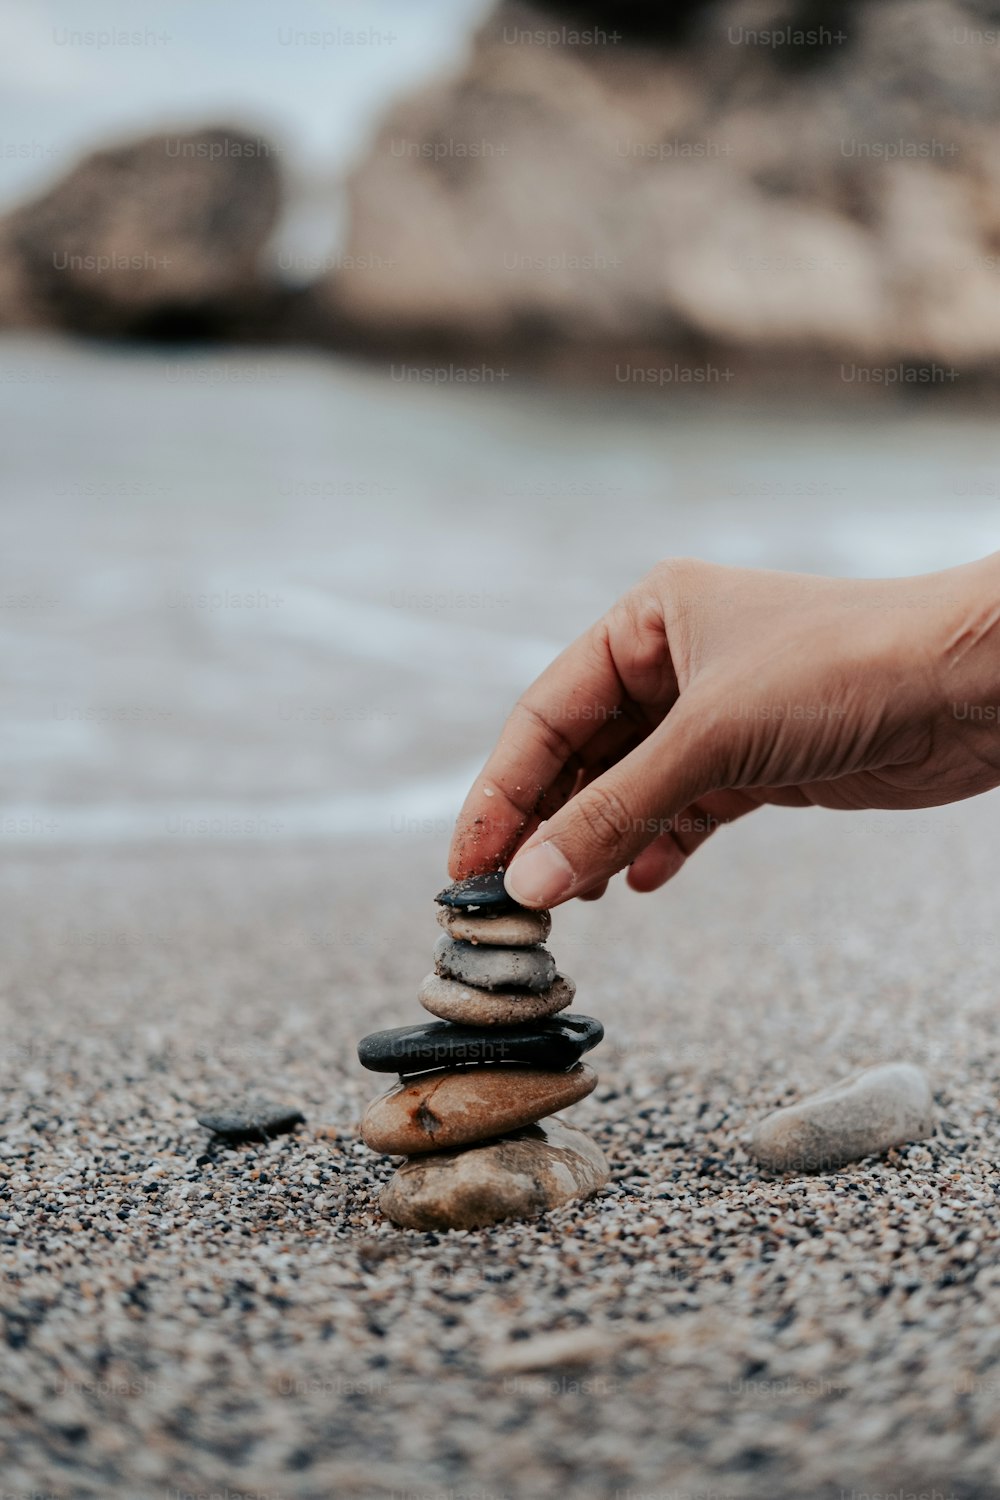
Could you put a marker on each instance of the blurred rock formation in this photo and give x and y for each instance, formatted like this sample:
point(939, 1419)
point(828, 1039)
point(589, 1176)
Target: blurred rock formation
point(794, 177)
point(782, 182)
point(159, 237)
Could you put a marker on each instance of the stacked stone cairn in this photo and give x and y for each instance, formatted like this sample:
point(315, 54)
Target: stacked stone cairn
point(478, 1087)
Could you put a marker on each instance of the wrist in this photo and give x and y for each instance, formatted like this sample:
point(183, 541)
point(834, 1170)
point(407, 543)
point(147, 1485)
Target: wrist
point(968, 639)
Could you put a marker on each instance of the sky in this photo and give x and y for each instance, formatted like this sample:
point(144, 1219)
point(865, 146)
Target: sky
point(75, 75)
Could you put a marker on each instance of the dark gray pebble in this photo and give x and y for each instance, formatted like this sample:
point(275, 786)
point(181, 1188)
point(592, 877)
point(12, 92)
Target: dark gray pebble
point(485, 894)
point(251, 1119)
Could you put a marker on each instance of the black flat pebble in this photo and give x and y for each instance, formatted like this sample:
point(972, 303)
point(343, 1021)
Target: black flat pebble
point(484, 894)
point(555, 1043)
point(254, 1120)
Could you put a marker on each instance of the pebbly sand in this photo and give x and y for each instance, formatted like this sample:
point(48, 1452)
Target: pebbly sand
point(183, 1320)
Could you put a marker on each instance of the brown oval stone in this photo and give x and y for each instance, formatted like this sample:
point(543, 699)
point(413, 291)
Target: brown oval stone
point(440, 1110)
point(517, 929)
point(468, 1005)
point(539, 1167)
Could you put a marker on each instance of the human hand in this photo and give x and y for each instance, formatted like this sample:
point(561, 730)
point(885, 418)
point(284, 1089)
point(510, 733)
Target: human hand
point(709, 691)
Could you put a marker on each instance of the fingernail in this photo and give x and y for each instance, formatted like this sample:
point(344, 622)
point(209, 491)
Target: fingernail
point(540, 876)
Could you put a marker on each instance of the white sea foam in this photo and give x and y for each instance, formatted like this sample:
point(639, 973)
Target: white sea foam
point(395, 637)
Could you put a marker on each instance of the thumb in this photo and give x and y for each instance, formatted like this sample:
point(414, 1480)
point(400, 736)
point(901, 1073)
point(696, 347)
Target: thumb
point(603, 828)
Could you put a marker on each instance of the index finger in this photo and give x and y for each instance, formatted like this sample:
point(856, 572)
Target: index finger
point(539, 747)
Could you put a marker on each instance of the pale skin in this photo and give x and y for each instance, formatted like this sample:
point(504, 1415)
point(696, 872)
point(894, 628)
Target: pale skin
point(707, 692)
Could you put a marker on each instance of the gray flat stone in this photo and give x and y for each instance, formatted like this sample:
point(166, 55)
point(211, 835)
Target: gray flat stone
point(494, 968)
point(861, 1116)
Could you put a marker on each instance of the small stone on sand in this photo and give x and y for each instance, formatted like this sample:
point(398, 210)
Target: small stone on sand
point(862, 1116)
point(251, 1119)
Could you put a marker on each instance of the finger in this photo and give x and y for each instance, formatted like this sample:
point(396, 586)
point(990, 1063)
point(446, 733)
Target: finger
point(613, 740)
point(661, 860)
point(595, 893)
point(539, 750)
point(606, 825)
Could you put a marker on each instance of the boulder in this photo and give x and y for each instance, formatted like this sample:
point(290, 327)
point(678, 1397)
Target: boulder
point(770, 177)
point(158, 237)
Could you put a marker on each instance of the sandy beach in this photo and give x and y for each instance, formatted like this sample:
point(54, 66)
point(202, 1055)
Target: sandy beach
point(186, 1320)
